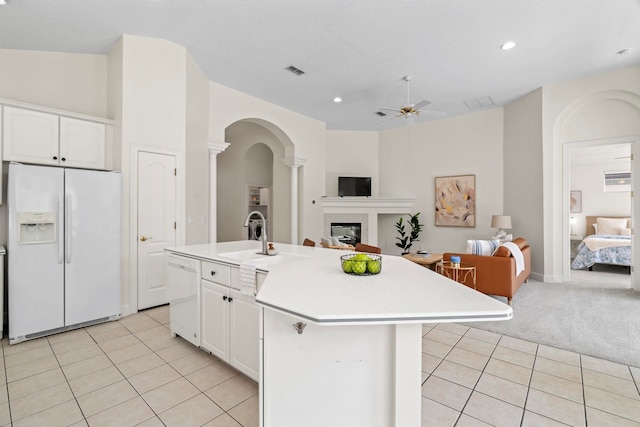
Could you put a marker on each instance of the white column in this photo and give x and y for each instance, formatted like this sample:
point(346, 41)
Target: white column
point(407, 378)
point(294, 163)
point(215, 148)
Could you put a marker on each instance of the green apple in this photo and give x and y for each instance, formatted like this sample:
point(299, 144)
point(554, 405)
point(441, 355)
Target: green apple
point(374, 266)
point(361, 257)
point(359, 267)
point(347, 266)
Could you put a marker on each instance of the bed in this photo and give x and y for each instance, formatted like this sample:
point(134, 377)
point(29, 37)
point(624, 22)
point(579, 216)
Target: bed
point(609, 242)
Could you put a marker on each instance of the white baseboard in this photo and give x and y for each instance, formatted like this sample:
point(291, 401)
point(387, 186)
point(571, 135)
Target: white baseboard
point(125, 310)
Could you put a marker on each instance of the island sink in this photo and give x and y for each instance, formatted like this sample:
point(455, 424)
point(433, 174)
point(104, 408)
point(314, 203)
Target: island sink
point(260, 260)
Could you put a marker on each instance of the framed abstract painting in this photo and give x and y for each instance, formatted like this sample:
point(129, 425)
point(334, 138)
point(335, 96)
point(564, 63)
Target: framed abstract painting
point(575, 203)
point(456, 201)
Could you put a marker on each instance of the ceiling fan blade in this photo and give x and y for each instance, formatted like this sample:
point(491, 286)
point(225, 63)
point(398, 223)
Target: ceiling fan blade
point(421, 104)
point(390, 109)
point(432, 113)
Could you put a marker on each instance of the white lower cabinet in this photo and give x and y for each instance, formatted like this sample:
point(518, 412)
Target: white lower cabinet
point(215, 319)
point(230, 326)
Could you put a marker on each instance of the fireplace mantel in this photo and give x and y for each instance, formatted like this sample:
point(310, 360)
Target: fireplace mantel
point(381, 205)
point(347, 209)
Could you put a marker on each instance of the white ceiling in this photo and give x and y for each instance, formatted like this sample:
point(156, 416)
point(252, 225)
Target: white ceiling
point(616, 153)
point(356, 49)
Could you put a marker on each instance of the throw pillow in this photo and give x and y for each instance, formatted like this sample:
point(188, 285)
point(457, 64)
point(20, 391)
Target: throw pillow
point(624, 231)
point(482, 247)
point(610, 226)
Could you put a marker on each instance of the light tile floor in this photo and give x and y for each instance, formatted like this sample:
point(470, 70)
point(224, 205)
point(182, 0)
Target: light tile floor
point(132, 373)
point(472, 377)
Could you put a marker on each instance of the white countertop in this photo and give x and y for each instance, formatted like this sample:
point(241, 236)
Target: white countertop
point(309, 282)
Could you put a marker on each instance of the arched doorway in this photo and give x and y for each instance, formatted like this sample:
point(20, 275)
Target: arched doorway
point(608, 117)
point(253, 160)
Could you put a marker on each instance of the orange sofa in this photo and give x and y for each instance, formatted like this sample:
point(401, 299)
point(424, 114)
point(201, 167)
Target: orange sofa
point(496, 274)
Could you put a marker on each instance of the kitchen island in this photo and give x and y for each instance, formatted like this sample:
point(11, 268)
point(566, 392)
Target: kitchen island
point(344, 350)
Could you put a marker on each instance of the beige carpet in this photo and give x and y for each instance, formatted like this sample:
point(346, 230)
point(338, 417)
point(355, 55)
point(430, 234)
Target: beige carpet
point(595, 314)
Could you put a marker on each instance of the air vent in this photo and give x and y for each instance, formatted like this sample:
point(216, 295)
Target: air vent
point(478, 103)
point(295, 70)
point(380, 113)
point(617, 181)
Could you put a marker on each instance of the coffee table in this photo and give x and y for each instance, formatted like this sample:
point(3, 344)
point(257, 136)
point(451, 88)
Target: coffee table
point(428, 261)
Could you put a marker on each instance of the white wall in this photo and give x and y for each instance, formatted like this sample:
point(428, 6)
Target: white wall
point(523, 173)
point(67, 81)
point(351, 153)
point(197, 155)
point(464, 145)
point(595, 202)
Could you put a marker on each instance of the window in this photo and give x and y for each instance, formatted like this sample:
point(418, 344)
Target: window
point(617, 181)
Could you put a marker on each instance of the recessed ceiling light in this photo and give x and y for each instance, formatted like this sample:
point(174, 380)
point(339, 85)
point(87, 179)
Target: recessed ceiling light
point(508, 45)
point(624, 51)
point(2, 2)
point(337, 99)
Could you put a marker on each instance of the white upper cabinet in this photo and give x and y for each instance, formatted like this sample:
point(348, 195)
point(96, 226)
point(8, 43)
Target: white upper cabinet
point(82, 144)
point(30, 136)
point(49, 139)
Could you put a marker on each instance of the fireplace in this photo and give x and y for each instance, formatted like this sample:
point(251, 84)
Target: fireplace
point(347, 232)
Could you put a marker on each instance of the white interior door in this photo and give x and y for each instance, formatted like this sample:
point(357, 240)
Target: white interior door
point(156, 224)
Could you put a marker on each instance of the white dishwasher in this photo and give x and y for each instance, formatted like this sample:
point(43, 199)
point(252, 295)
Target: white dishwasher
point(183, 285)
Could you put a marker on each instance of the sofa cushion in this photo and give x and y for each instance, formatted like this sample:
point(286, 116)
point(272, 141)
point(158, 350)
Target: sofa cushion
point(482, 247)
point(503, 251)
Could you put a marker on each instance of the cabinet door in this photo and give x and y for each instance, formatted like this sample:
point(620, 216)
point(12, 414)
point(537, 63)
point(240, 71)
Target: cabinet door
point(30, 136)
point(215, 319)
point(82, 143)
point(244, 336)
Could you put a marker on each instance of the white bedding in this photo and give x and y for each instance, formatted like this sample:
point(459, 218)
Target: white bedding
point(595, 242)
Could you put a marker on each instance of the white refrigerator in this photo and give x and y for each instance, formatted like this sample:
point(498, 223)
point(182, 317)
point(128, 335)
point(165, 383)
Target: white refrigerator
point(64, 249)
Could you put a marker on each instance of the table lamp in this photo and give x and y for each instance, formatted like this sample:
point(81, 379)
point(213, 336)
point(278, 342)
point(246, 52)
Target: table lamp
point(501, 222)
point(572, 221)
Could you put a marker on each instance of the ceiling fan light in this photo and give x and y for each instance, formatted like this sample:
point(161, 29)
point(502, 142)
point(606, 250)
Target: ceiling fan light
point(508, 45)
point(337, 99)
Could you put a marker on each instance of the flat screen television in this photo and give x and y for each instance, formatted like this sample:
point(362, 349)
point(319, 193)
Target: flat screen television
point(354, 186)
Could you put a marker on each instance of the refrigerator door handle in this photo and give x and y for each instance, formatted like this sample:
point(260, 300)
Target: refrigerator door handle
point(67, 227)
point(60, 229)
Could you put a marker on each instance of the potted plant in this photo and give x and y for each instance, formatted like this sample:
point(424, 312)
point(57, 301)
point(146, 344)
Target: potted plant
point(406, 240)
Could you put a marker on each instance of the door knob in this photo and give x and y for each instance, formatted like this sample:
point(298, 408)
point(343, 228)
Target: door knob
point(143, 238)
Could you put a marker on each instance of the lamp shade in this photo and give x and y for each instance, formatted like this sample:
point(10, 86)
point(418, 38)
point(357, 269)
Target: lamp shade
point(501, 221)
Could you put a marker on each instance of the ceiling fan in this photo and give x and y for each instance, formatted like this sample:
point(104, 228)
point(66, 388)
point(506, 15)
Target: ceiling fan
point(410, 110)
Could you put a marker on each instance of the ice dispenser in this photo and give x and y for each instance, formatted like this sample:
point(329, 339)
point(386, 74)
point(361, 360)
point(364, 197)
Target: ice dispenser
point(36, 227)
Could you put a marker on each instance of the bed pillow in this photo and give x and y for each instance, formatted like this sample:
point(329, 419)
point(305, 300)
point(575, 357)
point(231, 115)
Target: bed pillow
point(482, 247)
point(611, 226)
point(624, 231)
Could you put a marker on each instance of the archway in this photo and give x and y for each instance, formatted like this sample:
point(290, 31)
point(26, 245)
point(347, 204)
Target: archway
point(608, 117)
point(253, 159)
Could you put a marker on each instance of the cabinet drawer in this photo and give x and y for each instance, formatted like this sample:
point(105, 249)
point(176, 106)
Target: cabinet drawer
point(218, 273)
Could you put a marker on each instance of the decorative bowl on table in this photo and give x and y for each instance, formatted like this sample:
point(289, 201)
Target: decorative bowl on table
point(361, 264)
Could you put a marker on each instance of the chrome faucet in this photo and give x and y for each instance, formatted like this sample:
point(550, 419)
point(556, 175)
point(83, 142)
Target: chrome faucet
point(263, 236)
